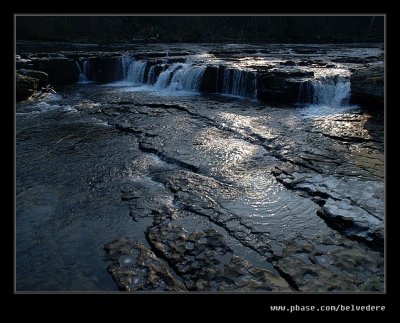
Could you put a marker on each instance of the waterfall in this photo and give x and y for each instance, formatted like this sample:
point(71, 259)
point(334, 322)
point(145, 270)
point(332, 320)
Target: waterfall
point(175, 77)
point(333, 92)
point(165, 77)
point(180, 76)
point(82, 76)
point(187, 78)
point(86, 68)
point(152, 77)
point(136, 72)
point(239, 83)
point(125, 63)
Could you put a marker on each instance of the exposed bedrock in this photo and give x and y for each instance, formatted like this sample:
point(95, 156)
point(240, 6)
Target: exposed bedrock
point(280, 87)
point(105, 69)
point(25, 87)
point(136, 268)
point(330, 266)
point(201, 260)
point(367, 85)
point(41, 76)
point(61, 71)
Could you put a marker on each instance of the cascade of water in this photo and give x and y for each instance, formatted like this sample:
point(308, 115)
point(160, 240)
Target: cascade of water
point(151, 79)
point(136, 72)
point(125, 62)
point(187, 78)
point(86, 69)
point(239, 83)
point(82, 76)
point(227, 81)
point(329, 91)
point(180, 76)
point(165, 77)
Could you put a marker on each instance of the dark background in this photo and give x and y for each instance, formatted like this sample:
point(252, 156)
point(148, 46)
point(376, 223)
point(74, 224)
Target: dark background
point(269, 29)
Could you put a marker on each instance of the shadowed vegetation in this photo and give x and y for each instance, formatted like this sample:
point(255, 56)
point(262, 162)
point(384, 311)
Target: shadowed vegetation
point(284, 29)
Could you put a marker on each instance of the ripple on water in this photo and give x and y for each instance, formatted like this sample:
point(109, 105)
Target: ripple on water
point(317, 110)
point(269, 205)
point(145, 163)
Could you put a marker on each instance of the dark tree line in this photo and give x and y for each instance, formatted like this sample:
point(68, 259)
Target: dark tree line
point(285, 29)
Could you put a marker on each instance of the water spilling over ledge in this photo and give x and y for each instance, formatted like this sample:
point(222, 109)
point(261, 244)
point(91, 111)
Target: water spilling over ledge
point(262, 177)
point(266, 75)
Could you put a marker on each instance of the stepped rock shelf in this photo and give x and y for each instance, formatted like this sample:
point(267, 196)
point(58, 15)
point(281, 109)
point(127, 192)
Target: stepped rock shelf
point(200, 167)
point(273, 74)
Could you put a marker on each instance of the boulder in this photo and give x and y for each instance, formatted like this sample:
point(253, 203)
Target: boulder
point(25, 86)
point(61, 71)
point(367, 86)
point(41, 76)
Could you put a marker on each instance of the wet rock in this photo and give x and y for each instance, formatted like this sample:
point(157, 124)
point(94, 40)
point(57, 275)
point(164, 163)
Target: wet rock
point(280, 87)
point(288, 63)
point(348, 128)
point(23, 62)
point(305, 50)
point(209, 80)
point(25, 86)
point(61, 71)
point(41, 76)
point(206, 263)
point(193, 192)
point(127, 128)
point(352, 206)
point(326, 265)
point(105, 69)
point(148, 168)
point(312, 277)
point(353, 221)
point(304, 63)
point(150, 54)
point(367, 86)
point(157, 69)
point(136, 268)
point(221, 79)
point(354, 60)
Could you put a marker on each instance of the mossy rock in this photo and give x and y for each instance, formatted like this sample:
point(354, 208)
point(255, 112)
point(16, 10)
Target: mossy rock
point(25, 87)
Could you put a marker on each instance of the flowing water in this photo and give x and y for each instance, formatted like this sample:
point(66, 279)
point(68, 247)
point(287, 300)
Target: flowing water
point(214, 159)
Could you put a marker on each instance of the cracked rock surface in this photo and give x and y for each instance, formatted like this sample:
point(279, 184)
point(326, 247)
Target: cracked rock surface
point(196, 193)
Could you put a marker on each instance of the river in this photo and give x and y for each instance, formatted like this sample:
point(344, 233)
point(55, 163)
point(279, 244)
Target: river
point(148, 184)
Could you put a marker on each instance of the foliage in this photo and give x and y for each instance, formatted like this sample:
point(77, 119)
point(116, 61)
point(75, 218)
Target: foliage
point(284, 29)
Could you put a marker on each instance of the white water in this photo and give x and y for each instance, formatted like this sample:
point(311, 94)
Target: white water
point(187, 78)
point(152, 78)
point(324, 90)
point(165, 76)
point(178, 77)
point(125, 65)
point(330, 92)
point(136, 72)
point(326, 96)
point(82, 76)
